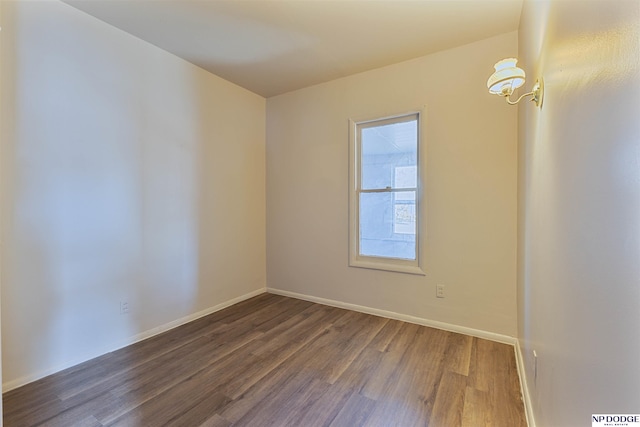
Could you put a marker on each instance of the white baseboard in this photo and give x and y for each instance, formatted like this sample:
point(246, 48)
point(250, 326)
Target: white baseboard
point(528, 408)
point(505, 339)
point(190, 318)
point(10, 385)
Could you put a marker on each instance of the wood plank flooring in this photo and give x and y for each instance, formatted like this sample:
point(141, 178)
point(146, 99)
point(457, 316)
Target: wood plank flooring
point(277, 361)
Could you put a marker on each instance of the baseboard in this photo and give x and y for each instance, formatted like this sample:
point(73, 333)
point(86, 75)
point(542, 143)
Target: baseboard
point(190, 318)
point(505, 339)
point(524, 388)
point(19, 382)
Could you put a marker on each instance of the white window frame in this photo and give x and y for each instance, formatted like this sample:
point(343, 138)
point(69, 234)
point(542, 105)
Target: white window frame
point(416, 266)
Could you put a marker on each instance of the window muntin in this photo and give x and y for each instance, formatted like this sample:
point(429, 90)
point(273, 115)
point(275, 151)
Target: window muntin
point(385, 194)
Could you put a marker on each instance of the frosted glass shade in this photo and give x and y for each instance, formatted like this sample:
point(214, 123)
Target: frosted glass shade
point(506, 78)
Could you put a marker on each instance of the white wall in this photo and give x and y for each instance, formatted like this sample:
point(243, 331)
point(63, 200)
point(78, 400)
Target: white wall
point(128, 174)
point(579, 216)
point(471, 141)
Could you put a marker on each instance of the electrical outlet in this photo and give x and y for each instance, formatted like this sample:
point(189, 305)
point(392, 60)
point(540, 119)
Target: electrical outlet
point(440, 291)
point(124, 307)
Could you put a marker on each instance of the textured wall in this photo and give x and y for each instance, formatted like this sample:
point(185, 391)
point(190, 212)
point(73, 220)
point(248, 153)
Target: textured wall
point(579, 210)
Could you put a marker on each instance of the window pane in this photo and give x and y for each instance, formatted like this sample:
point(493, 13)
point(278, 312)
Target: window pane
point(404, 218)
point(385, 149)
point(406, 177)
point(387, 227)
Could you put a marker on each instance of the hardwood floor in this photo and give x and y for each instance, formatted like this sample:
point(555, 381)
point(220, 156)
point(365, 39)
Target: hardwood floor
point(277, 361)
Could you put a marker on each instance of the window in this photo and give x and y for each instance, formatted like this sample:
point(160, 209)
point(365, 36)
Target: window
point(386, 229)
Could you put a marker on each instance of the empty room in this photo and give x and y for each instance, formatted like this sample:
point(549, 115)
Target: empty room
point(320, 213)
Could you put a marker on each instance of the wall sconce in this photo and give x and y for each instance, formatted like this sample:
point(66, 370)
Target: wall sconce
point(508, 78)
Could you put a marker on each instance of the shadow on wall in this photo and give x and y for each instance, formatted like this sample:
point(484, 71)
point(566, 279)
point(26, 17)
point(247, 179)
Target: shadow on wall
point(101, 190)
point(132, 179)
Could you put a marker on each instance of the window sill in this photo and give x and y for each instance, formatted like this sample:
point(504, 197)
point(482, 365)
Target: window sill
point(388, 266)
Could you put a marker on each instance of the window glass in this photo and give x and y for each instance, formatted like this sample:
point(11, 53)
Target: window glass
point(385, 148)
point(389, 157)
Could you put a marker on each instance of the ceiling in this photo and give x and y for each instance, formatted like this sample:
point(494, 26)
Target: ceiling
point(275, 46)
